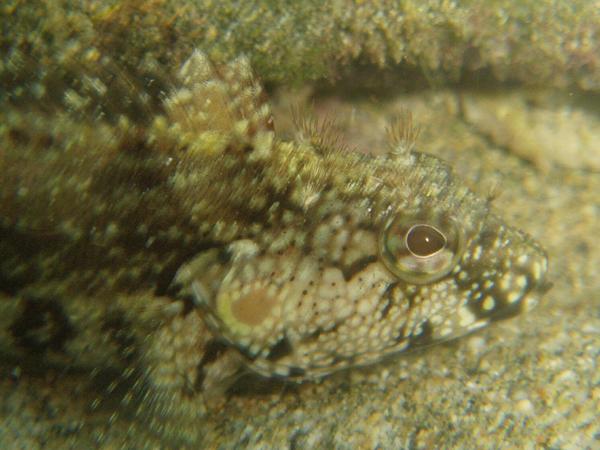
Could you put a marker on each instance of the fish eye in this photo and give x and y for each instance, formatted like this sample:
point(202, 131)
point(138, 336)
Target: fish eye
point(420, 249)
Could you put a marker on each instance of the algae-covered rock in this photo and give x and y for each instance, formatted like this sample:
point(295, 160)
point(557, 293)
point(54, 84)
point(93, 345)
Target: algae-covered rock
point(533, 42)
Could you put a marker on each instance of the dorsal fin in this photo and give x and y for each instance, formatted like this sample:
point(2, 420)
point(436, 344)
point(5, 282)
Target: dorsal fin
point(221, 106)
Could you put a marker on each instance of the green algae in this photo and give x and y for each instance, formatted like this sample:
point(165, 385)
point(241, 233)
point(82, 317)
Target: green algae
point(532, 42)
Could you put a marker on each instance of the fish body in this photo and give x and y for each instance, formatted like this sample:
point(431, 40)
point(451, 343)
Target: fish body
point(199, 244)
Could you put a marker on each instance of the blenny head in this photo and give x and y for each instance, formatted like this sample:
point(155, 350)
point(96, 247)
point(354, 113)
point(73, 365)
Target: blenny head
point(347, 258)
point(451, 250)
point(358, 276)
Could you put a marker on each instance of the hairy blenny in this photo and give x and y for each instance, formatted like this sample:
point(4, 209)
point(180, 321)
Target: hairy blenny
point(356, 257)
point(299, 258)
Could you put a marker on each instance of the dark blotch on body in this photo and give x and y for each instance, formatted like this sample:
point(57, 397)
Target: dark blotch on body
point(42, 326)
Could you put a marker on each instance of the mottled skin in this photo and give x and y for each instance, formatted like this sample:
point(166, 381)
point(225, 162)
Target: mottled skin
point(195, 245)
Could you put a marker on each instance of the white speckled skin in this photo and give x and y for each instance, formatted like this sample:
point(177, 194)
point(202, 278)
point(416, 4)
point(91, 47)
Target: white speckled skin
point(293, 254)
point(312, 292)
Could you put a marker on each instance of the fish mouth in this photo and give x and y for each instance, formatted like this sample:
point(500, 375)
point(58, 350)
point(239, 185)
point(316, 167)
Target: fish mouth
point(532, 297)
point(539, 272)
point(544, 286)
point(518, 289)
point(540, 285)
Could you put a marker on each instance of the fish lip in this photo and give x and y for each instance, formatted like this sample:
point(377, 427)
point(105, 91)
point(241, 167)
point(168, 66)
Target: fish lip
point(544, 286)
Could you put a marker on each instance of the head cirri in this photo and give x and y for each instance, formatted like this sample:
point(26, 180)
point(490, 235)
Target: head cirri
point(352, 258)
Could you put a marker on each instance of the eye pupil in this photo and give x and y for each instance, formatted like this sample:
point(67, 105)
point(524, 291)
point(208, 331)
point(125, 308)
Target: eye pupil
point(421, 249)
point(424, 240)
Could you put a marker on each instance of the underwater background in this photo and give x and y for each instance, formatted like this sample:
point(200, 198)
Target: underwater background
point(507, 92)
